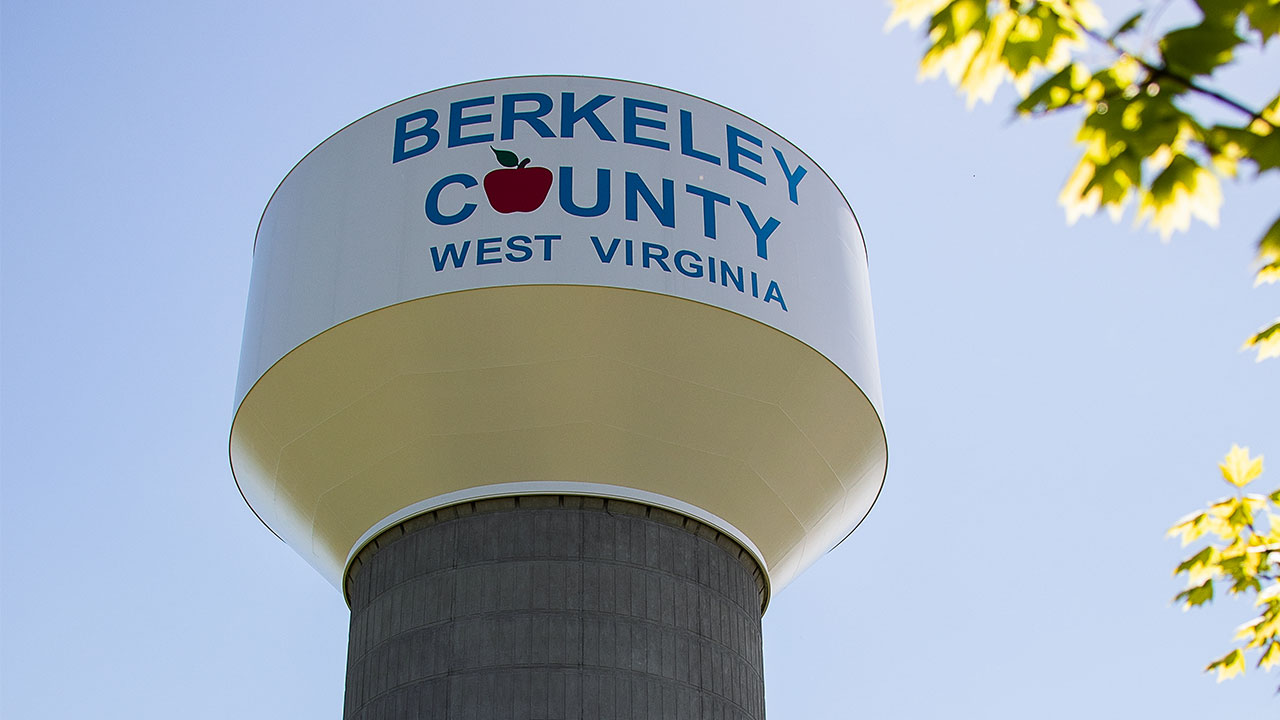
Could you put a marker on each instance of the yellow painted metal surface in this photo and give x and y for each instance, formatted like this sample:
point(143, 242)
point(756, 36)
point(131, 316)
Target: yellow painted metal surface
point(563, 386)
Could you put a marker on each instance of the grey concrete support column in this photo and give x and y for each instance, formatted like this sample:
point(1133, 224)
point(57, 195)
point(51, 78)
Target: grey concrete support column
point(554, 608)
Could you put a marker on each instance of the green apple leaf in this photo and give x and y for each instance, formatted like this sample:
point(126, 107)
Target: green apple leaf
point(506, 158)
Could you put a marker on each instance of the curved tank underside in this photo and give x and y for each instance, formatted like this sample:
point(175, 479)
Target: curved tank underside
point(558, 389)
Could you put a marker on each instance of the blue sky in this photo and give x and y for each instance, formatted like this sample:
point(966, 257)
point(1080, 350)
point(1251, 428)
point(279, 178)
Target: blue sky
point(1055, 397)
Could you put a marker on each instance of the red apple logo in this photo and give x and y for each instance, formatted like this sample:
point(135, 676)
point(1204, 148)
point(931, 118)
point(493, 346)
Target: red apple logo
point(516, 187)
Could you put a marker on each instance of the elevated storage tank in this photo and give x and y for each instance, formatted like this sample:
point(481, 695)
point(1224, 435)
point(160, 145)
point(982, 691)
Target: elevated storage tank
point(513, 341)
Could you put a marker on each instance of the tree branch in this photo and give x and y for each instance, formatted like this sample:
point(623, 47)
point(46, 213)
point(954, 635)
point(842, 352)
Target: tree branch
point(1162, 71)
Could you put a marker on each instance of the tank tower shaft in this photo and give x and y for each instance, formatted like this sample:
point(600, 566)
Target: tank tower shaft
point(554, 607)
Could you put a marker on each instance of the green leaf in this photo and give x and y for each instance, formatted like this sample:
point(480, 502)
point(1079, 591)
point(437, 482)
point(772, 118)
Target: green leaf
point(1221, 12)
point(1269, 245)
point(1182, 190)
point(1036, 38)
point(1201, 558)
point(506, 158)
point(1180, 173)
point(1116, 178)
point(1264, 16)
point(1266, 342)
point(1197, 595)
point(1240, 516)
point(1242, 570)
point(1271, 113)
point(1271, 593)
point(1269, 256)
point(1228, 666)
point(1271, 656)
point(1267, 332)
point(1245, 582)
point(962, 16)
point(1062, 89)
point(1198, 50)
point(1191, 528)
point(1266, 151)
point(1128, 25)
point(1239, 468)
point(1268, 273)
point(1263, 148)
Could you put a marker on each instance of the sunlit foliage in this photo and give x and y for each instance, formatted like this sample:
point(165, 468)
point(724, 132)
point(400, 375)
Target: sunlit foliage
point(1132, 86)
point(1243, 557)
point(1140, 143)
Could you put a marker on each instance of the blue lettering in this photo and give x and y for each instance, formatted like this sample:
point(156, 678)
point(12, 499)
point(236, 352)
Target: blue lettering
point(775, 293)
point(433, 200)
point(727, 275)
point(546, 244)
point(457, 121)
point(425, 130)
point(686, 141)
point(530, 117)
point(566, 193)
point(519, 248)
point(630, 121)
point(692, 269)
point(450, 254)
point(486, 247)
point(655, 252)
point(736, 151)
point(709, 200)
point(762, 233)
point(569, 116)
point(605, 257)
point(793, 178)
point(665, 211)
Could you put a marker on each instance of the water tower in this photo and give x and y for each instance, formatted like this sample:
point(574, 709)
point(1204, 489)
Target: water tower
point(557, 379)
